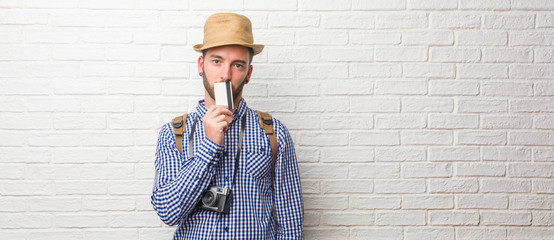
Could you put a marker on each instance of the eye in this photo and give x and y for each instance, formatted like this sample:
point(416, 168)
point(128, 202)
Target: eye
point(216, 61)
point(239, 66)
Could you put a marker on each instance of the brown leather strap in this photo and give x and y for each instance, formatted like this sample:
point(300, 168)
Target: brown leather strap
point(179, 125)
point(266, 123)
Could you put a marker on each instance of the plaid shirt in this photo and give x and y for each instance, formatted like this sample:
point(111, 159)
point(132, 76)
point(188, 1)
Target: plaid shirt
point(180, 181)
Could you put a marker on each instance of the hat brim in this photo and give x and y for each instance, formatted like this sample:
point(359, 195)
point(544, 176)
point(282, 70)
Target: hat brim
point(256, 47)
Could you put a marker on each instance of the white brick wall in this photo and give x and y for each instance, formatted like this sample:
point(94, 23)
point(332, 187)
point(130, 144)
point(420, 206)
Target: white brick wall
point(412, 119)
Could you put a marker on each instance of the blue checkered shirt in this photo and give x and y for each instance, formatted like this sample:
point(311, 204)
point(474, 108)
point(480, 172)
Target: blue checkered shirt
point(180, 181)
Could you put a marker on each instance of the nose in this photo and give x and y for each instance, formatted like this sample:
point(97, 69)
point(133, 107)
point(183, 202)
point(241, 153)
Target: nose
point(225, 74)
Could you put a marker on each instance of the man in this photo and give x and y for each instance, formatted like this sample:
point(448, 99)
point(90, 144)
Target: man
point(227, 150)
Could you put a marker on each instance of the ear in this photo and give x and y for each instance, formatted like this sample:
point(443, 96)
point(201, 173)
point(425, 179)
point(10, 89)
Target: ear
point(200, 64)
point(249, 74)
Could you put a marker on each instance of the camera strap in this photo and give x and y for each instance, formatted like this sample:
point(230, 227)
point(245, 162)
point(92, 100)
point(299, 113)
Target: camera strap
point(239, 147)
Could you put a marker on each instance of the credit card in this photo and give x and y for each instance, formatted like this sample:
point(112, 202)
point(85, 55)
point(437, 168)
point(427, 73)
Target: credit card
point(223, 94)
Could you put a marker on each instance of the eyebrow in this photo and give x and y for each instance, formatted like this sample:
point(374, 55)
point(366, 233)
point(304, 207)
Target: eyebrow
point(235, 61)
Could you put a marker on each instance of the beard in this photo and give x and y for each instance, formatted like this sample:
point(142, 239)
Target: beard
point(237, 90)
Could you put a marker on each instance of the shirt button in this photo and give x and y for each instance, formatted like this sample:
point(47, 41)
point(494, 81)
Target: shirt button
point(226, 229)
point(227, 178)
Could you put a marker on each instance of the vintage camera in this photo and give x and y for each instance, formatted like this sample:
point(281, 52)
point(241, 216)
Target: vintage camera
point(216, 199)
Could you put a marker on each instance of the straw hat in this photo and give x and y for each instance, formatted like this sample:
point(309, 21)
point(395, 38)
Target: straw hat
point(228, 29)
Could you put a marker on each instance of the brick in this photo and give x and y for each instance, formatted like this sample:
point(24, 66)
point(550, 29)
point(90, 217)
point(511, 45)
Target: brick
point(110, 234)
point(506, 154)
point(504, 88)
point(454, 55)
point(428, 37)
point(506, 218)
point(107, 70)
point(428, 137)
point(544, 20)
point(401, 54)
point(374, 139)
point(481, 38)
point(38, 35)
point(505, 186)
point(544, 122)
point(134, 187)
point(348, 87)
point(80, 122)
point(405, 121)
point(374, 170)
point(323, 105)
point(400, 154)
point(426, 170)
point(531, 71)
point(400, 218)
point(543, 218)
point(52, 70)
point(544, 154)
point(349, 21)
point(535, 170)
point(454, 20)
point(375, 202)
point(485, 5)
point(543, 88)
point(509, 21)
point(482, 106)
point(375, 38)
point(151, 234)
point(532, 4)
point(481, 138)
point(26, 121)
point(481, 201)
point(24, 53)
point(311, 218)
point(162, 5)
point(113, 203)
point(379, 5)
point(106, 36)
point(347, 186)
point(531, 138)
point(386, 233)
point(453, 88)
point(375, 70)
point(531, 201)
point(480, 169)
point(498, 55)
point(345, 55)
point(104, 4)
point(16, 36)
point(453, 121)
point(400, 186)
point(25, 221)
point(544, 55)
point(81, 221)
point(56, 172)
point(55, 139)
point(12, 204)
point(431, 104)
point(130, 220)
point(326, 171)
point(280, 38)
point(293, 89)
point(294, 20)
point(401, 21)
point(374, 104)
point(453, 186)
point(432, 5)
point(55, 204)
point(481, 233)
point(427, 202)
point(543, 186)
point(429, 70)
point(81, 187)
point(359, 122)
point(455, 218)
point(19, 154)
point(486, 71)
point(160, 37)
point(322, 37)
point(532, 105)
point(295, 54)
point(530, 233)
point(107, 171)
point(351, 155)
point(429, 233)
point(326, 234)
point(319, 72)
point(10, 4)
point(51, 4)
point(531, 38)
point(314, 5)
point(347, 219)
point(325, 203)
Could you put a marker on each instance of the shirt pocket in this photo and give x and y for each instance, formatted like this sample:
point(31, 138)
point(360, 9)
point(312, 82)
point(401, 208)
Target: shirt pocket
point(259, 164)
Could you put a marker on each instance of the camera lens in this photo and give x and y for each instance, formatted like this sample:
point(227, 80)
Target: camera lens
point(208, 199)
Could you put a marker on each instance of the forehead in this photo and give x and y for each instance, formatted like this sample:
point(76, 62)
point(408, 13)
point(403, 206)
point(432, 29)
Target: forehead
point(229, 51)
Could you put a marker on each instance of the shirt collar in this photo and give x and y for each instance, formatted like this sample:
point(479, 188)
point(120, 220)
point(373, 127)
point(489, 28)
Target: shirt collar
point(241, 109)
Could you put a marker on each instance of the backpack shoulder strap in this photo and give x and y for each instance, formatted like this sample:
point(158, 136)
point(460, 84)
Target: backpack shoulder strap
point(179, 125)
point(266, 123)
